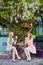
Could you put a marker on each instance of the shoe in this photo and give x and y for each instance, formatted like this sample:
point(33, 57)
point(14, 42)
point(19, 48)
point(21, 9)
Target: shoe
point(19, 58)
point(14, 60)
point(29, 60)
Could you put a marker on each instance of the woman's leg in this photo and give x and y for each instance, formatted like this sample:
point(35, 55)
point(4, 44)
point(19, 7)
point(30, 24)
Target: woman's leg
point(15, 52)
point(13, 55)
point(27, 52)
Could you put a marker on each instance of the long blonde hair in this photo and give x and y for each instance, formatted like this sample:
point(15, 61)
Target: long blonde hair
point(11, 33)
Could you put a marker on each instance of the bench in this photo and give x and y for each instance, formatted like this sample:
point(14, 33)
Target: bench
point(21, 51)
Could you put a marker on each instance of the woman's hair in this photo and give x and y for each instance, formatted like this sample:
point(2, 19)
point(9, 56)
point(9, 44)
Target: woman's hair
point(11, 33)
point(30, 35)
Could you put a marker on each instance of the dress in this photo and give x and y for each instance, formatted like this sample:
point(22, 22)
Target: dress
point(9, 47)
point(31, 46)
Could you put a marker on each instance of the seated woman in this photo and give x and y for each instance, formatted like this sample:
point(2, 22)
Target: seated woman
point(10, 43)
point(30, 47)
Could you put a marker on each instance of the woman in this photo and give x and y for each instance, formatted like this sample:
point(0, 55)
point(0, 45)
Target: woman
point(30, 47)
point(10, 43)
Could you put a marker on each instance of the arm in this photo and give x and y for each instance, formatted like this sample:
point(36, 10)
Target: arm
point(27, 41)
point(8, 42)
point(30, 42)
point(14, 41)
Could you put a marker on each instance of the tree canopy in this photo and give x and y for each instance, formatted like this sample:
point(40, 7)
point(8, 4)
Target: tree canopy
point(20, 16)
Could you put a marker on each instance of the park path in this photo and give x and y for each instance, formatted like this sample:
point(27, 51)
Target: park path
point(35, 61)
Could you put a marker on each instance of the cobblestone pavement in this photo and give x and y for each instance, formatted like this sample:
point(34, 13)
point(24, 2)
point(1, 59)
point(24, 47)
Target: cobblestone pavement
point(35, 61)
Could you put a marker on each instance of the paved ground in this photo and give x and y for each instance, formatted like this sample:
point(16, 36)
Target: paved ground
point(35, 61)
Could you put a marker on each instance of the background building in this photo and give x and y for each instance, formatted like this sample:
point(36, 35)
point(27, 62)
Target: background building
point(4, 32)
